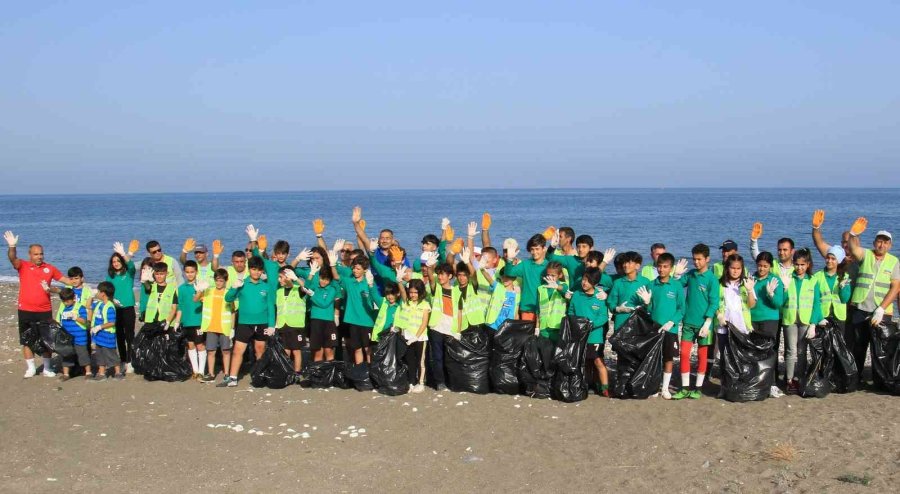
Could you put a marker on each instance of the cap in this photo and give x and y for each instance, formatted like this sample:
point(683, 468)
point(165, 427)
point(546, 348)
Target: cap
point(838, 253)
point(201, 248)
point(885, 233)
point(728, 245)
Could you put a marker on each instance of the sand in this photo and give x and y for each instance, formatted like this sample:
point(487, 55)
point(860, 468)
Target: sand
point(137, 436)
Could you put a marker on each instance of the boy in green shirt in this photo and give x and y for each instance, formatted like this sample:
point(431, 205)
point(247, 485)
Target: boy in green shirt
point(665, 299)
point(700, 306)
point(590, 302)
point(623, 296)
point(359, 307)
point(190, 314)
point(531, 271)
point(322, 325)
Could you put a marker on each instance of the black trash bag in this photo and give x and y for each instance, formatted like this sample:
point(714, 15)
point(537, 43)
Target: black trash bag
point(327, 374)
point(536, 366)
point(140, 347)
point(33, 339)
point(748, 366)
point(845, 378)
point(639, 352)
point(55, 338)
point(274, 369)
point(359, 377)
point(506, 352)
point(817, 381)
point(166, 358)
point(388, 369)
point(468, 360)
point(886, 356)
point(568, 383)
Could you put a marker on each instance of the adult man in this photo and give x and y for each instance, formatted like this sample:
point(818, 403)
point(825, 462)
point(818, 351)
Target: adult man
point(649, 270)
point(381, 254)
point(877, 286)
point(205, 268)
point(173, 275)
point(34, 305)
point(727, 248)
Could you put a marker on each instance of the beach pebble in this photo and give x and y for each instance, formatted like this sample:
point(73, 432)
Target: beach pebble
point(211, 426)
point(103, 435)
point(51, 479)
point(405, 404)
point(517, 405)
point(415, 409)
point(351, 427)
point(361, 431)
point(338, 438)
point(305, 435)
point(354, 434)
point(344, 433)
point(259, 433)
point(291, 430)
point(238, 428)
point(459, 403)
point(282, 424)
point(706, 464)
point(306, 425)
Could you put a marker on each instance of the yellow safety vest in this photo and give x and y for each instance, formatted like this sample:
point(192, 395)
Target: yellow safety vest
point(868, 279)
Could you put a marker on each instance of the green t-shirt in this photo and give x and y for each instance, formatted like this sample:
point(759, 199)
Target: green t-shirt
point(124, 285)
point(702, 300)
point(191, 312)
point(666, 302)
point(359, 301)
point(767, 308)
point(257, 302)
point(583, 305)
point(624, 291)
point(321, 302)
point(532, 275)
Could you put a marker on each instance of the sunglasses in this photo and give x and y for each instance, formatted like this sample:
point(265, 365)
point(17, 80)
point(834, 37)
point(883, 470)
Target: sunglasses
point(345, 251)
point(157, 251)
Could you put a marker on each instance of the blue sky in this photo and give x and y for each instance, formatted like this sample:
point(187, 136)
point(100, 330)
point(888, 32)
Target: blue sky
point(221, 96)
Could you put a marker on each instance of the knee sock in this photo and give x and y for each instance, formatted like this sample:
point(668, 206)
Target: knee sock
point(29, 363)
point(192, 355)
point(685, 365)
point(667, 376)
point(201, 361)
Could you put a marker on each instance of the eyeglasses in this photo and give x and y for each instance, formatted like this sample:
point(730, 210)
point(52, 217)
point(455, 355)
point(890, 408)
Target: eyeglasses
point(157, 251)
point(345, 251)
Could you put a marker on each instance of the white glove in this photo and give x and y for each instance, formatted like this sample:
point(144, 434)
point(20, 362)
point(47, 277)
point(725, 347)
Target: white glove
point(445, 222)
point(45, 286)
point(624, 308)
point(269, 331)
point(810, 332)
point(314, 268)
point(680, 267)
point(554, 240)
point(601, 294)
point(401, 272)
point(465, 255)
point(512, 253)
point(290, 274)
point(252, 233)
point(550, 283)
point(333, 257)
point(338, 245)
point(750, 284)
point(370, 278)
point(844, 282)
point(117, 303)
point(877, 316)
point(68, 316)
point(667, 326)
point(704, 330)
point(771, 286)
point(303, 255)
point(432, 259)
point(608, 255)
point(146, 274)
point(373, 244)
point(238, 282)
point(472, 229)
point(823, 323)
point(568, 295)
point(96, 329)
point(644, 294)
point(201, 285)
point(11, 239)
point(119, 248)
point(337, 319)
point(394, 329)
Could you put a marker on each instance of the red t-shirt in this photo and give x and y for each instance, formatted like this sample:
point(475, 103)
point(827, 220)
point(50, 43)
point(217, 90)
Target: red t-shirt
point(32, 297)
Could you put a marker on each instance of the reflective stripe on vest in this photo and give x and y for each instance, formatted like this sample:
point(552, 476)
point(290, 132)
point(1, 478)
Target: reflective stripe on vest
point(830, 298)
point(106, 337)
point(473, 306)
point(868, 279)
point(290, 308)
point(226, 317)
point(552, 307)
point(159, 303)
point(804, 306)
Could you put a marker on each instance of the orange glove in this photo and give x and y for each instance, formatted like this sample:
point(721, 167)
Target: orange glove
point(757, 231)
point(859, 226)
point(818, 218)
point(318, 226)
point(486, 221)
point(549, 232)
point(217, 247)
point(450, 233)
point(133, 246)
point(396, 253)
point(457, 246)
point(188, 245)
point(262, 242)
point(362, 224)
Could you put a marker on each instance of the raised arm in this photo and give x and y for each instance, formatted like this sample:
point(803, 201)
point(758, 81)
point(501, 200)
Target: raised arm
point(485, 230)
point(856, 250)
point(817, 220)
point(11, 241)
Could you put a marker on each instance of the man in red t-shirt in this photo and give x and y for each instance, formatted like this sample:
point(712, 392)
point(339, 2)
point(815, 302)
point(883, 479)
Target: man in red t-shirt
point(35, 277)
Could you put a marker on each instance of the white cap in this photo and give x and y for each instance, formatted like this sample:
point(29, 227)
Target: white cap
point(885, 233)
point(838, 252)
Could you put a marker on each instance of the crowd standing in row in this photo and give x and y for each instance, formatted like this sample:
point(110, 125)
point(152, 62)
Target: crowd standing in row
point(344, 298)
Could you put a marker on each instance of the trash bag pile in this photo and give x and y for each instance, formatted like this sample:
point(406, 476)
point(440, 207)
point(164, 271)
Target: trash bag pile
point(327, 374)
point(468, 359)
point(160, 355)
point(49, 336)
point(34, 339)
point(274, 369)
point(748, 366)
point(831, 366)
point(886, 356)
point(506, 352)
point(388, 370)
point(639, 348)
point(359, 377)
point(568, 383)
point(535, 368)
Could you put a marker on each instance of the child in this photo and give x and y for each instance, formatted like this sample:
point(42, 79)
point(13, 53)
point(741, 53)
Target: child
point(256, 319)
point(388, 306)
point(190, 317)
point(217, 323)
point(766, 314)
point(552, 301)
point(73, 317)
point(473, 305)
point(700, 305)
point(666, 304)
point(623, 298)
point(83, 293)
point(290, 313)
point(162, 297)
point(322, 327)
point(443, 321)
point(359, 308)
point(504, 301)
point(146, 267)
point(834, 287)
point(121, 272)
point(104, 332)
point(800, 315)
point(412, 319)
point(736, 297)
point(590, 302)
point(531, 271)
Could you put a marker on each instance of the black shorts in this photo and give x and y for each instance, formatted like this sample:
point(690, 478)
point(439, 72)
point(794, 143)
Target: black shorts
point(322, 334)
point(192, 335)
point(358, 337)
point(769, 329)
point(292, 338)
point(670, 346)
point(246, 332)
point(594, 351)
point(27, 318)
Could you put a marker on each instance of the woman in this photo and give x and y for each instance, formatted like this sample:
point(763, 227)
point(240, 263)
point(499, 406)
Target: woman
point(120, 273)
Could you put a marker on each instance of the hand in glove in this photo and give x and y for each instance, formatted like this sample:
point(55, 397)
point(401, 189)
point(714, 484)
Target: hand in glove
point(188, 245)
point(750, 285)
point(303, 255)
point(238, 282)
point(859, 226)
point(757, 231)
point(445, 223)
point(823, 323)
point(810, 332)
point(96, 329)
point(217, 248)
point(314, 267)
point(45, 286)
point(357, 215)
point(554, 240)
point(609, 255)
point(601, 294)
point(877, 316)
point(146, 274)
point(318, 226)
point(550, 283)
point(338, 245)
point(252, 233)
point(432, 259)
point(332, 257)
point(373, 244)
point(11, 240)
point(624, 308)
point(262, 243)
point(402, 271)
point(644, 294)
point(457, 246)
point(118, 248)
point(472, 230)
point(395, 253)
point(370, 278)
point(466, 255)
point(201, 286)
point(681, 267)
point(133, 247)
point(667, 326)
point(269, 331)
point(818, 218)
point(449, 234)
point(704, 330)
point(486, 221)
point(844, 282)
point(771, 286)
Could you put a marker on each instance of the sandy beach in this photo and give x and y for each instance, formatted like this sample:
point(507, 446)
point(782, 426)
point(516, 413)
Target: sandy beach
point(137, 436)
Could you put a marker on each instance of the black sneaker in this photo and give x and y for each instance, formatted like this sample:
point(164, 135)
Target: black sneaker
point(207, 378)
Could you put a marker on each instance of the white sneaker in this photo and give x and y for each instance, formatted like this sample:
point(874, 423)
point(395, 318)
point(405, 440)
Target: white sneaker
point(30, 372)
point(418, 388)
point(48, 373)
point(774, 392)
point(128, 368)
point(666, 395)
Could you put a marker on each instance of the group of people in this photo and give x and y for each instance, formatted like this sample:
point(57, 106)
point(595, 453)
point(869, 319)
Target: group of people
point(342, 299)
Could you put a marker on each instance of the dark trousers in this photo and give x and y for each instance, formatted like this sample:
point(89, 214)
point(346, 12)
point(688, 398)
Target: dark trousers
point(436, 356)
point(858, 335)
point(414, 362)
point(125, 332)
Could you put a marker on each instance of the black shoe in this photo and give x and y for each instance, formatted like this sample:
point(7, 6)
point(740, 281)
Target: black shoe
point(440, 387)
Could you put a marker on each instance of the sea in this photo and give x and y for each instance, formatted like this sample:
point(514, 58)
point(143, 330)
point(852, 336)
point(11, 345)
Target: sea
point(79, 230)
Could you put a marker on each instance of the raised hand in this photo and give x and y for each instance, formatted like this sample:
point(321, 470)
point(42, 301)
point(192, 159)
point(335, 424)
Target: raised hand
point(303, 255)
point(395, 253)
point(757, 231)
point(431, 259)
point(370, 278)
point(252, 233)
point(457, 246)
point(445, 223)
point(771, 286)
point(332, 257)
point(188, 245)
point(318, 226)
point(201, 285)
point(466, 255)
point(118, 248)
point(373, 244)
point(238, 282)
point(356, 217)
point(749, 284)
point(818, 218)
point(402, 271)
point(11, 239)
point(644, 294)
point(133, 247)
point(608, 255)
point(554, 240)
point(217, 248)
point(550, 283)
point(290, 274)
point(486, 221)
point(262, 243)
point(472, 229)
point(362, 224)
point(146, 274)
point(859, 226)
point(338, 245)
point(549, 232)
point(449, 233)
point(681, 267)
point(314, 267)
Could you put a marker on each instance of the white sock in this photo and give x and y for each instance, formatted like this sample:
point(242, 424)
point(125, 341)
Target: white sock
point(201, 361)
point(192, 354)
point(667, 376)
point(699, 381)
point(685, 380)
point(29, 362)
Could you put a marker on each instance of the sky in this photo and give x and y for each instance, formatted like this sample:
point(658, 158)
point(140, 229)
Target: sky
point(254, 96)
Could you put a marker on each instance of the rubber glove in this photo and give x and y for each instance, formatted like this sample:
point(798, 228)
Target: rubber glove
point(472, 230)
point(432, 259)
point(356, 217)
point(362, 224)
point(373, 244)
point(217, 248)
point(624, 308)
point(486, 221)
point(262, 243)
point(201, 286)
point(11, 239)
point(332, 257)
point(549, 232)
point(750, 284)
point(395, 253)
point(757, 231)
point(877, 316)
point(810, 332)
point(445, 223)
point(609, 255)
point(550, 283)
point(314, 268)
point(96, 329)
point(45, 286)
point(554, 240)
point(370, 278)
point(318, 226)
point(601, 294)
point(188, 245)
point(237, 283)
point(818, 218)
point(252, 233)
point(681, 267)
point(704, 330)
point(466, 255)
point(118, 248)
point(146, 274)
point(644, 294)
point(401, 272)
point(859, 226)
point(269, 331)
point(771, 286)
point(133, 247)
point(338, 245)
point(844, 282)
point(457, 246)
point(667, 326)
point(823, 323)
point(303, 255)
point(449, 233)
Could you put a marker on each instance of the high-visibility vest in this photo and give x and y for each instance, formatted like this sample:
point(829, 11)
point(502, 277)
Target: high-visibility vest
point(803, 306)
point(745, 309)
point(226, 317)
point(206, 273)
point(381, 319)
point(496, 305)
point(552, 306)
point(290, 309)
point(868, 279)
point(170, 271)
point(830, 298)
point(474, 306)
point(408, 318)
point(648, 272)
point(458, 324)
point(73, 327)
point(159, 303)
point(106, 337)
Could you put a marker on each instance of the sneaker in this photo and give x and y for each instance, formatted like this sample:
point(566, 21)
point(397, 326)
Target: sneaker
point(682, 394)
point(793, 387)
point(418, 388)
point(30, 373)
point(440, 387)
point(207, 378)
point(224, 383)
point(88, 377)
point(774, 392)
point(128, 368)
point(99, 378)
point(695, 394)
point(665, 394)
point(48, 373)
